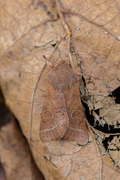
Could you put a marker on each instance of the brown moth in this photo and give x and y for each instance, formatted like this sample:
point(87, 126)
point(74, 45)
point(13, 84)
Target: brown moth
point(62, 113)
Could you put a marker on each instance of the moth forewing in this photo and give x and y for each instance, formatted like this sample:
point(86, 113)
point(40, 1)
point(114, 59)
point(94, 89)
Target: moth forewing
point(62, 113)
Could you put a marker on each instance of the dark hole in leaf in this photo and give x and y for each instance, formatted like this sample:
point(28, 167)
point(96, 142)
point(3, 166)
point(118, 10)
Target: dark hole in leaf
point(97, 111)
point(109, 139)
point(116, 94)
point(114, 146)
point(106, 140)
point(96, 124)
point(53, 44)
point(83, 79)
point(89, 116)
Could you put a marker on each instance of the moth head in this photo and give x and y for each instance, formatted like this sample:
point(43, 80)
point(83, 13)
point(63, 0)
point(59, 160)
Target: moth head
point(62, 76)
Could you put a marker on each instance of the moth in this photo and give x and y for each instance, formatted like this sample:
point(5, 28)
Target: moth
point(62, 113)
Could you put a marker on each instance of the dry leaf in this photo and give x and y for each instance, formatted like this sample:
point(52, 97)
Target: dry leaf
point(16, 161)
point(86, 35)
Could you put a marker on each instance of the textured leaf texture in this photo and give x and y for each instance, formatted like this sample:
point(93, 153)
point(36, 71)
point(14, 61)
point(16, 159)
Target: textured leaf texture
point(36, 35)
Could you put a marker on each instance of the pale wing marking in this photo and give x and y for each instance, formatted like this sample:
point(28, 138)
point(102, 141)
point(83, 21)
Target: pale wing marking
point(75, 129)
point(54, 126)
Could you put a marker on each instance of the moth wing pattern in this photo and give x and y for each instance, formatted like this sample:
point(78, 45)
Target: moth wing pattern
point(54, 118)
point(77, 130)
point(62, 113)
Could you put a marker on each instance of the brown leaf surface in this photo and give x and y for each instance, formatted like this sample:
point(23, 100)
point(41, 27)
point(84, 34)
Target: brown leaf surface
point(16, 161)
point(15, 155)
point(32, 34)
